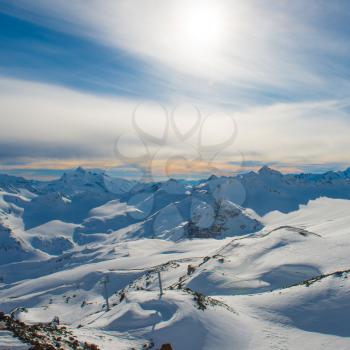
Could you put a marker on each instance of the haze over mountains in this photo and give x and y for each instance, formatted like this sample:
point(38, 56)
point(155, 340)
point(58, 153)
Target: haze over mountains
point(248, 262)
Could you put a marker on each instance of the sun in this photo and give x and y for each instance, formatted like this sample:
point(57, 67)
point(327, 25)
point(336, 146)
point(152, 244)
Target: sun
point(200, 27)
point(203, 25)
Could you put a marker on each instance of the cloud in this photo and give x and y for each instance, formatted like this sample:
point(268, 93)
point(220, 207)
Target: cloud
point(291, 49)
point(52, 127)
point(297, 133)
point(57, 121)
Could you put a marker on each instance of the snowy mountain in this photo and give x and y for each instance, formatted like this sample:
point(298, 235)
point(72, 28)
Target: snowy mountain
point(268, 189)
point(257, 261)
point(12, 247)
point(201, 217)
point(98, 205)
point(82, 180)
point(286, 192)
point(13, 184)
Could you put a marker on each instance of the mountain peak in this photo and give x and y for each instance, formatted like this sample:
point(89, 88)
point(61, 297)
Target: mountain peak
point(75, 173)
point(80, 170)
point(265, 170)
point(212, 177)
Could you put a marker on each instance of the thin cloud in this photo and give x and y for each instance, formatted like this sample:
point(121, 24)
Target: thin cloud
point(269, 48)
point(44, 124)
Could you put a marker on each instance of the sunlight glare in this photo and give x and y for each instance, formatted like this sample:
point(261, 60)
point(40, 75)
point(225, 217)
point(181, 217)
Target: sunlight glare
point(201, 27)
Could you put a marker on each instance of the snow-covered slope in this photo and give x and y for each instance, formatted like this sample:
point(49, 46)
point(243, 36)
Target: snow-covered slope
point(277, 288)
point(12, 248)
point(231, 279)
point(14, 184)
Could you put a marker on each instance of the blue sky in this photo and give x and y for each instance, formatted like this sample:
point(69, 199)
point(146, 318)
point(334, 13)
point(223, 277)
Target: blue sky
point(33, 52)
point(73, 73)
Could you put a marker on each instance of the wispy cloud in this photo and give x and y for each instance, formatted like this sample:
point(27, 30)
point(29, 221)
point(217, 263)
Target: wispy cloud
point(55, 128)
point(288, 49)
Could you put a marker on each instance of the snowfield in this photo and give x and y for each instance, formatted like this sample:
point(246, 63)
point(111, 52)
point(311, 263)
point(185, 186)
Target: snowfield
point(254, 262)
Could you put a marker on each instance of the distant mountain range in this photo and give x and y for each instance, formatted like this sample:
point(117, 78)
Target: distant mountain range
point(86, 206)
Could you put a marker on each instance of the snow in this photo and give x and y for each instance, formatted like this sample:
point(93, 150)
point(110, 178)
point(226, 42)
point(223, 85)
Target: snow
point(172, 318)
point(255, 265)
point(9, 342)
point(111, 209)
point(54, 228)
